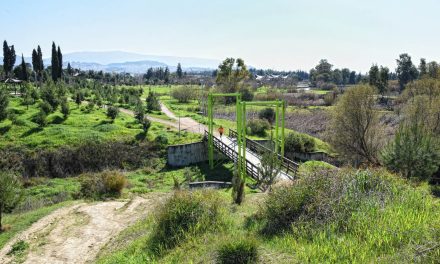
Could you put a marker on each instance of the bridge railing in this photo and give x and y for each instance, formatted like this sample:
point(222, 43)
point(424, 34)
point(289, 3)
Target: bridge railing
point(231, 153)
point(288, 166)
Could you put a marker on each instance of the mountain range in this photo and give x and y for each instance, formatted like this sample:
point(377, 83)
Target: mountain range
point(121, 61)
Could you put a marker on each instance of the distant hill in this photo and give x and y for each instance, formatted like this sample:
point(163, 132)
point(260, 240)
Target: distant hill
point(130, 67)
point(121, 61)
point(133, 62)
point(107, 57)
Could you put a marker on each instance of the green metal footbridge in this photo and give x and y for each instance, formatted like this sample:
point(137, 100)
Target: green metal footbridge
point(247, 153)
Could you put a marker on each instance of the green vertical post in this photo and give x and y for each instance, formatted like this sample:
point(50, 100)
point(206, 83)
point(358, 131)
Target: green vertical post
point(277, 124)
point(283, 115)
point(243, 127)
point(239, 135)
point(210, 131)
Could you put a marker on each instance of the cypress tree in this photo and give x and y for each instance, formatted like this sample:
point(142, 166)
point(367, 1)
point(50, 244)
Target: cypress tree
point(8, 58)
point(55, 63)
point(60, 63)
point(179, 71)
point(12, 58)
point(166, 74)
point(35, 61)
point(5, 57)
point(24, 73)
point(69, 69)
point(40, 58)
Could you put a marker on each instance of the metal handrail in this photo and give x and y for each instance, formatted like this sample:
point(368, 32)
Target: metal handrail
point(287, 164)
point(232, 154)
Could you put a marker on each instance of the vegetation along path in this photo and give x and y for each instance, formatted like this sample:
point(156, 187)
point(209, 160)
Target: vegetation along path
point(76, 234)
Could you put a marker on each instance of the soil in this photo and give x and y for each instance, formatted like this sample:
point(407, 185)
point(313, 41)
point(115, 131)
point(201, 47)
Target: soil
point(76, 234)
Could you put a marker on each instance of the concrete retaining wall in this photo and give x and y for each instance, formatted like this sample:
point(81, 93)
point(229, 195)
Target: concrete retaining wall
point(210, 184)
point(186, 154)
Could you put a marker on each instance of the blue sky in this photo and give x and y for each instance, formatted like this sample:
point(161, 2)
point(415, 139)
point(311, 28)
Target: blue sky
point(278, 34)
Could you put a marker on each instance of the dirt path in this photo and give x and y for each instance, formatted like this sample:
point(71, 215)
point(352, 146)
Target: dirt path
point(75, 234)
point(167, 111)
point(186, 123)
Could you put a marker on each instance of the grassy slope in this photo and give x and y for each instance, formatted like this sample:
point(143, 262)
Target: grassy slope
point(78, 127)
point(392, 234)
point(46, 195)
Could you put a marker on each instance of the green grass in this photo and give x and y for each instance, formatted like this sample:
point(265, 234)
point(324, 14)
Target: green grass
point(45, 188)
point(317, 91)
point(395, 228)
point(78, 127)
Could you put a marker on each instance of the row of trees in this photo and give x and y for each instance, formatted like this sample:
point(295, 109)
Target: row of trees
point(22, 71)
point(406, 71)
point(323, 74)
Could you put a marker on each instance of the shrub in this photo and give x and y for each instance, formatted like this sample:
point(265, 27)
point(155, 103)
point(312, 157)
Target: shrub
point(104, 184)
point(246, 94)
point(146, 124)
point(90, 106)
point(258, 127)
point(185, 215)
point(242, 250)
point(314, 166)
point(413, 152)
point(327, 196)
point(4, 102)
point(40, 119)
point(183, 94)
point(18, 248)
point(65, 109)
point(152, 102)
point(296, 142)
point(268, 114)
point(112, 112)
point(330, 98)
point(435, 190)
point(140, 111)
point(91, 156)
point(10, 193)
point(161, 139)
point(46, 108)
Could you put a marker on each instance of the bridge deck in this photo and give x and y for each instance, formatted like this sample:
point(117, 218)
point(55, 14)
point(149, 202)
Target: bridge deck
point(228, 146)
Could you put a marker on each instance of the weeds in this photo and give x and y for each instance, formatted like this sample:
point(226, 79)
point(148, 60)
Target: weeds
point(185, 215)
point(238, 251)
